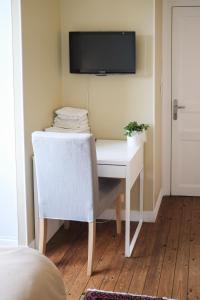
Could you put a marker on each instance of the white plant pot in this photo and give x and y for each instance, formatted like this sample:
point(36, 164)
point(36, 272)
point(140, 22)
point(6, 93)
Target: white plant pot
point(144, 136)
point(136, 139)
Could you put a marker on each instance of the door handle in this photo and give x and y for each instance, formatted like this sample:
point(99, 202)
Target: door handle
point(175, 109)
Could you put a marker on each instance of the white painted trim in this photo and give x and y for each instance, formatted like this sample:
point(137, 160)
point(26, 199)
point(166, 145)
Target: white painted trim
point(19, 123)
point(166, 107)
point(167, 89)
point(109, 214)
point(158, 204)
point(8, 241)
point(52, 227)
point(154, 95)
point(148, 216)
point(171, 3)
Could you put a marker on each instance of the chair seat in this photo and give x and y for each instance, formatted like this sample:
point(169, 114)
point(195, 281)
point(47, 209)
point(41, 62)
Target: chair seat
point(109, 189)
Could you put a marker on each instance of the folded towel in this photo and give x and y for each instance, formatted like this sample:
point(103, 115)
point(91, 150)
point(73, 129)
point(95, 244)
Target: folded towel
point(72, 112)
point(72, 118)
point(73, 124)
point(58, 129)
point(58, 125)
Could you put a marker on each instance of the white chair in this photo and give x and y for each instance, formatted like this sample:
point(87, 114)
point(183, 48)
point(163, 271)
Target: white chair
point(68, 185)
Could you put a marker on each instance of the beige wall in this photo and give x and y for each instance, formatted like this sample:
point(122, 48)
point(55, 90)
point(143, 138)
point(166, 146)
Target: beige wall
point(41, 75)
point(158, 98)
point(113, 101)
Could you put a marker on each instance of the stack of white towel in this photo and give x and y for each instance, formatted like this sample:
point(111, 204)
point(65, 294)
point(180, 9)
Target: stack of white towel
point(70, 119)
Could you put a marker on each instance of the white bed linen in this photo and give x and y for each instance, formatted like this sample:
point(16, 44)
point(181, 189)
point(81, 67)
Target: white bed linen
point(27, 275)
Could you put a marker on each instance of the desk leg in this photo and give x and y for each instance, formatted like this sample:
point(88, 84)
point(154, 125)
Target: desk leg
point(36, 212)
point(129, 246)
point(141, 194)
point(127, 220)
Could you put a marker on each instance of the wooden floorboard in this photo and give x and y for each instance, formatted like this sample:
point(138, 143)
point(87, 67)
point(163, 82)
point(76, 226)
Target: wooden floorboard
point(180, 284)
point(63, 242)
point(130, 264)
point(158, 252)
point(194, 259)
point(169, 262)
point(165, 261)
point(102, 242)
point(142, 256)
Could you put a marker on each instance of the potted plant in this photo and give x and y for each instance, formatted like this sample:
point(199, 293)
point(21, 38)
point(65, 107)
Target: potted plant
point(135, 133)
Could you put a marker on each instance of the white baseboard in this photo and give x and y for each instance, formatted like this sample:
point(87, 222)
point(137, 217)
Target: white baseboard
point(109, 214)
point(149, 216)
point(53, 227)
point(8, 241)
point(158, 204)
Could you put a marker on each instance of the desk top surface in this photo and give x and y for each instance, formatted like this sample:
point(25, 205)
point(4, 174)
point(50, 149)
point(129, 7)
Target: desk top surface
point(114, 152)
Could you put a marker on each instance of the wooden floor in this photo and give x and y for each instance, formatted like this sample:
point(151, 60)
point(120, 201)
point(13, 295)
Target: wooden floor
point(165, 261)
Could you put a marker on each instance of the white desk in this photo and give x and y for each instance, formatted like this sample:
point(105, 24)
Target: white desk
point(116, 160)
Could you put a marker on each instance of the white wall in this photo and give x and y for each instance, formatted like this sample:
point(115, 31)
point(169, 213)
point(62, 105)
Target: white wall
point(8, 192)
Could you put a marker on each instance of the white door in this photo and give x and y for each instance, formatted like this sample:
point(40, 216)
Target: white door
point(185, 178)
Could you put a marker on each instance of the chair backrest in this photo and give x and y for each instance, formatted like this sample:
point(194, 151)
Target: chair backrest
point(66, 175)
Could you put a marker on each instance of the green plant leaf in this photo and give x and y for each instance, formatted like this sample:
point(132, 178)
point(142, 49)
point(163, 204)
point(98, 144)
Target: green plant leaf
point(135, 127)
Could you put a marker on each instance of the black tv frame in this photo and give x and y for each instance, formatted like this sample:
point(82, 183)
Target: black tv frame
point(102, 72)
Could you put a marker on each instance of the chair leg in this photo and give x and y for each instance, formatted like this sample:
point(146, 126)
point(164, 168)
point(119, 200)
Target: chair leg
point(42, 235)
point(118, 209)
point(91, 246)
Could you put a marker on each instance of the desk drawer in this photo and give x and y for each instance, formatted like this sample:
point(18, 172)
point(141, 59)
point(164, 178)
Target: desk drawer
point(111, 171)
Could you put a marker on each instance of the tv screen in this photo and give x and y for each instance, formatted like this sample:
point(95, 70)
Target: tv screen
point(102, 52)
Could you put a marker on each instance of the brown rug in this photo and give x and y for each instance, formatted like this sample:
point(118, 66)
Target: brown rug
point(101, 295)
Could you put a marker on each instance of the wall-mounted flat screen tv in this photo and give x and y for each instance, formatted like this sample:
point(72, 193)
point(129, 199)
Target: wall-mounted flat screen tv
point(102, 52)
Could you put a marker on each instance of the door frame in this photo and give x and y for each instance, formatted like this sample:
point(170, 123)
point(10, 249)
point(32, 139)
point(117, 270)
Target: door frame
point(19, 122)
point(167, 88)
